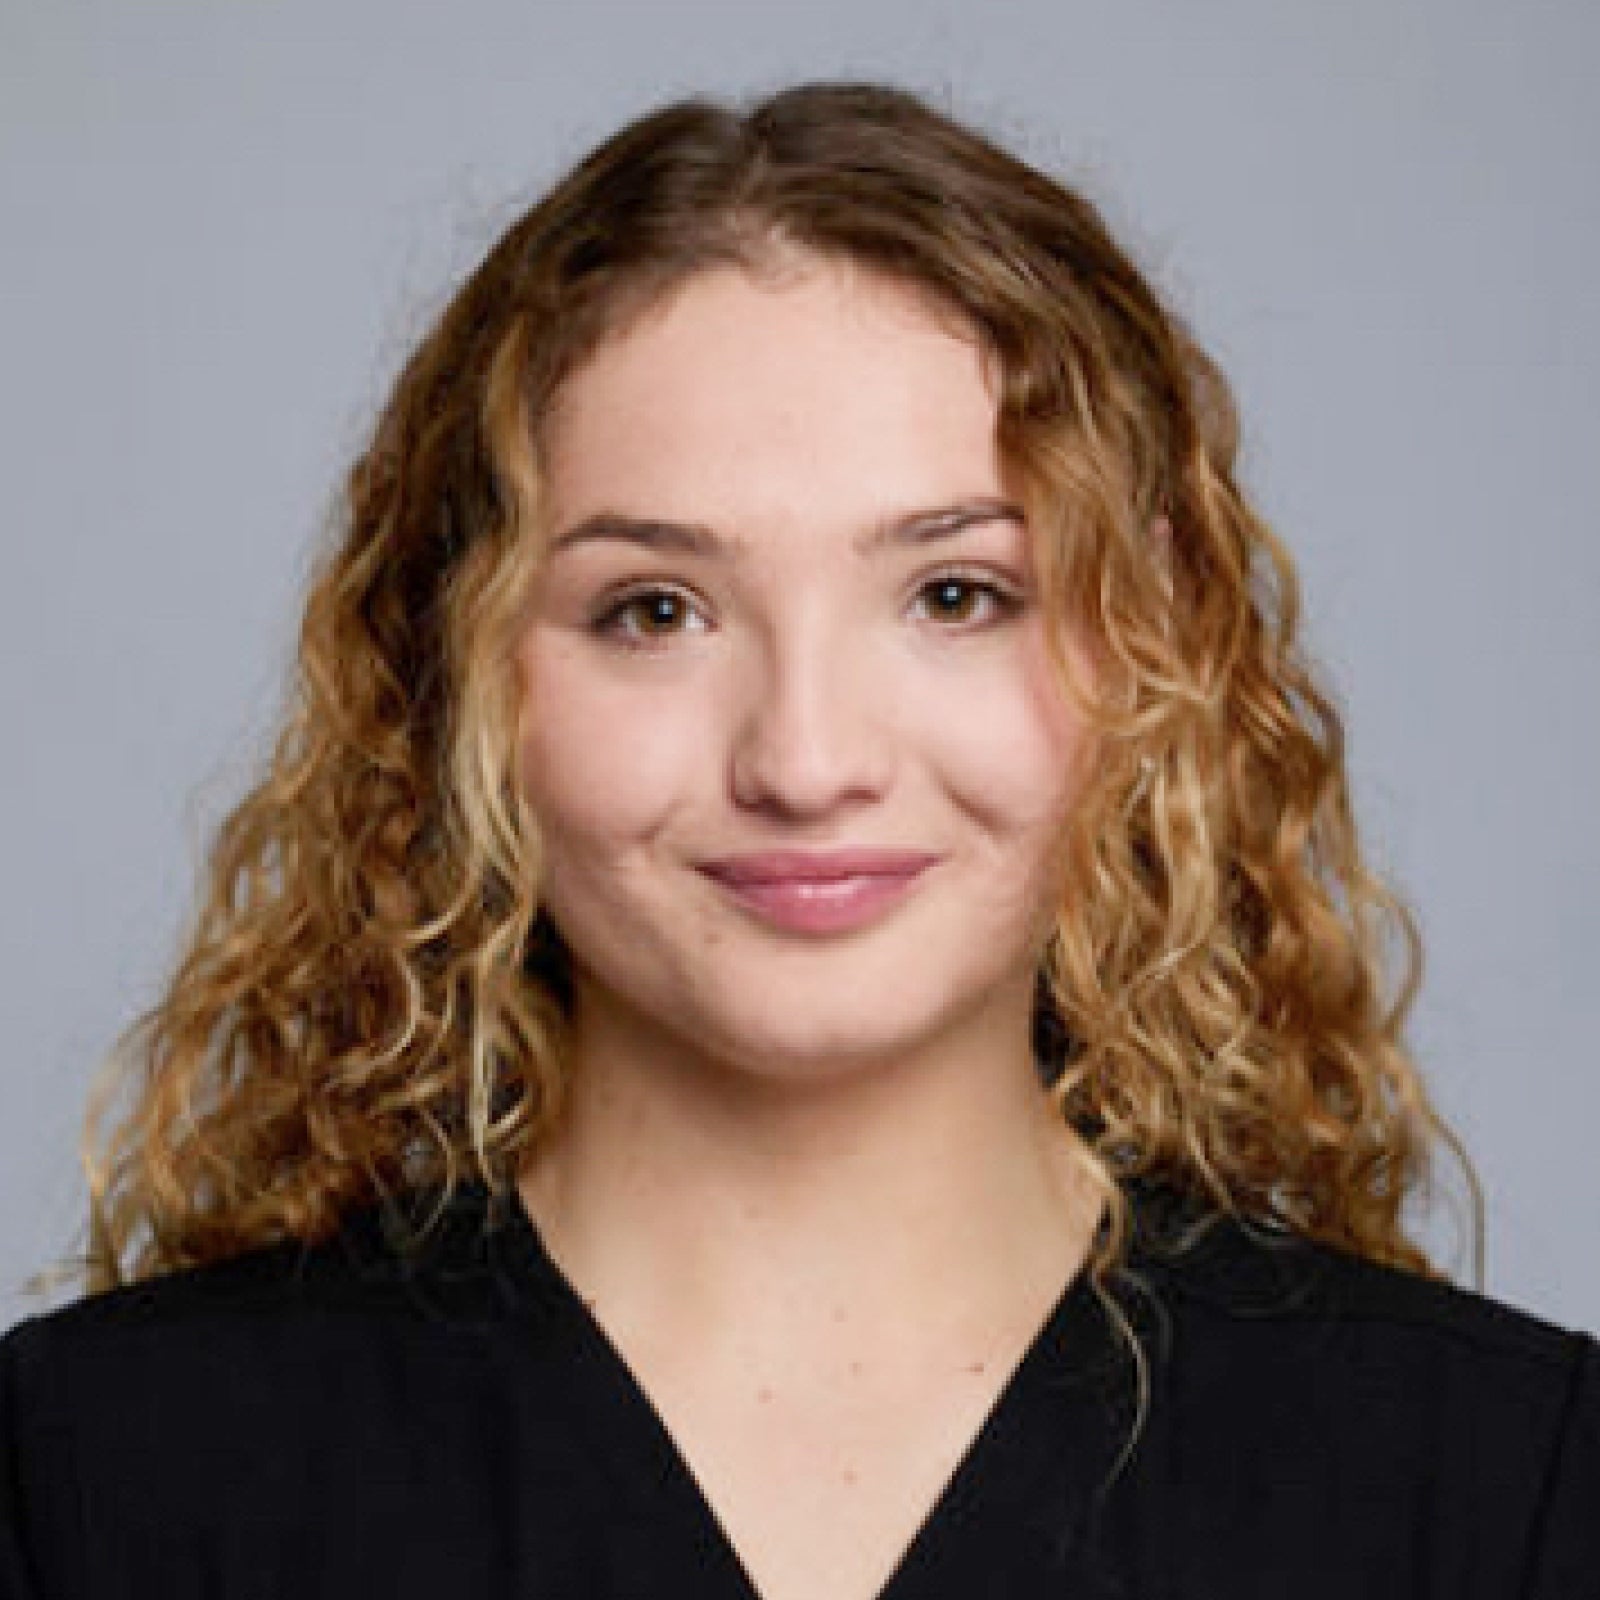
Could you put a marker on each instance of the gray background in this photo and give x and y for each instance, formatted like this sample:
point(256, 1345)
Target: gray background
point(224, 223)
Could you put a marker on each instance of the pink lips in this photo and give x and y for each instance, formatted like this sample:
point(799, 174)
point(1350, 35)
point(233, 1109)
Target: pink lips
point(819, 891)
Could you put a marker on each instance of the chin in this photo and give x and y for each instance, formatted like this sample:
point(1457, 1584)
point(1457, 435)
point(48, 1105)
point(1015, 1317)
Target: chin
point(813, 1031)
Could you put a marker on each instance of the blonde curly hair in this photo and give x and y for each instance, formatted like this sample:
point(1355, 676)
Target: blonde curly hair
point(370, 999)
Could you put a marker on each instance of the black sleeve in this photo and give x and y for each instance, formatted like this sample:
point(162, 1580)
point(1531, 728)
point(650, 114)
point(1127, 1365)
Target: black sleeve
point(1565, 1562)
point(18, 1579)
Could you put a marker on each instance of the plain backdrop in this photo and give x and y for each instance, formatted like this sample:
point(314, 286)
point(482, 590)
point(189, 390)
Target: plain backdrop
point(223, 224)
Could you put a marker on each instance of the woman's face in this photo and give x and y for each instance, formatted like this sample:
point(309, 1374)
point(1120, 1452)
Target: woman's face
point(788, 607)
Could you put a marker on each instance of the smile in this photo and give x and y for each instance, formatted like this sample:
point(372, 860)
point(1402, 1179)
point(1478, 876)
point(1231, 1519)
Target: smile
point(821, 905)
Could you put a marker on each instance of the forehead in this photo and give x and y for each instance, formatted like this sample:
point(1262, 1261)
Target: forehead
point(826, 386)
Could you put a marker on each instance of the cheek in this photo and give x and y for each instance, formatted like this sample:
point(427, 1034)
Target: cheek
point(598, 761)
point(1012, 744)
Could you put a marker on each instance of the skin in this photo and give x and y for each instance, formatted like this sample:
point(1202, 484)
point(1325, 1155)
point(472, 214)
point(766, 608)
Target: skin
point(792, 1159)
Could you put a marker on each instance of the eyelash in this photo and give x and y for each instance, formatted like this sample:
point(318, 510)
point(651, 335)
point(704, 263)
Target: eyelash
point(607, 621)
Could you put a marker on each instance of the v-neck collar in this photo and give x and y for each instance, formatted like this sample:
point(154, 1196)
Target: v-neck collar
point(1045, 1445)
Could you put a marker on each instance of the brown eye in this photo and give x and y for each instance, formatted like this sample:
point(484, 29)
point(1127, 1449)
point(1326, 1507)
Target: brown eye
point(643, 615)
point(956, 598)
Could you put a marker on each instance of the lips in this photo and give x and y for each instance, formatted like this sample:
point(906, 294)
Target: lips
point(819, 892)
point(816, 866)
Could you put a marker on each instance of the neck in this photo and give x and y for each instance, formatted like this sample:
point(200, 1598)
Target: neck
point(937, 1198)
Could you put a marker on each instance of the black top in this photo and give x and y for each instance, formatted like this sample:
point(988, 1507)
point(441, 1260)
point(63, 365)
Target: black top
point(345, 1420)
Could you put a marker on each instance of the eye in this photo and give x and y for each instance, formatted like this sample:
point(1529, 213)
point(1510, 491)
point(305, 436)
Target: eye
point(956, 596)
point(660, 613)
point(639, 618)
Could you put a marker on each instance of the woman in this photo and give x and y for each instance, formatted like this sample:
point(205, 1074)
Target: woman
point(799, 1012)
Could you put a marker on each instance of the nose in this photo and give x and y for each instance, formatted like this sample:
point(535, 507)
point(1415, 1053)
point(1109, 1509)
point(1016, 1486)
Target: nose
point(808, 734)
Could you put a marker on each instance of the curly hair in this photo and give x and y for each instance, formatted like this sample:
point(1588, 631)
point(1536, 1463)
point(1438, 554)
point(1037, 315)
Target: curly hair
point(369, 998)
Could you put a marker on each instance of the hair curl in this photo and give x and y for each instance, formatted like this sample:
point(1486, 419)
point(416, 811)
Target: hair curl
point(369, 998)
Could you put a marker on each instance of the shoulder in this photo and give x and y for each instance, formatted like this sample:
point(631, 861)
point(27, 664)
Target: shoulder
point(367, 1370)
point(1347, 1389)
point(233, 1331)
point(1236, 1275)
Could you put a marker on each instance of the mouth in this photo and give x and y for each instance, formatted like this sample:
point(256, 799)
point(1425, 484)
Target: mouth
point(814, 901)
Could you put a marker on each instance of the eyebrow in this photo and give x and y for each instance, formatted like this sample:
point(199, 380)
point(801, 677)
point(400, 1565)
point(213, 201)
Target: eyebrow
point(696, 539)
